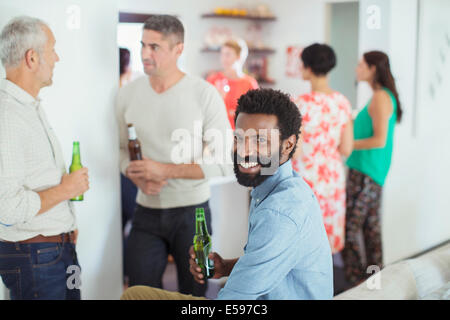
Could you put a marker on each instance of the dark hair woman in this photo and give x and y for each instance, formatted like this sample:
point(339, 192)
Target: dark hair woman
point(124, 66)
point(369, 165)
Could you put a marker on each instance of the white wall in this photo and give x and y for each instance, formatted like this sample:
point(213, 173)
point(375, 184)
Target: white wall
point(79, 106)
point(415, 214)
point(416, 208)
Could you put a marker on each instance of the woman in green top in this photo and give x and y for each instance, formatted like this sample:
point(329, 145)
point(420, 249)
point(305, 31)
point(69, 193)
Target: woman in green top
point(369, 164)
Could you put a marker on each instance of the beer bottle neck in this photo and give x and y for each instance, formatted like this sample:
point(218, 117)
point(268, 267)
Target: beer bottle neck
point(76, 154)
point(200, 226)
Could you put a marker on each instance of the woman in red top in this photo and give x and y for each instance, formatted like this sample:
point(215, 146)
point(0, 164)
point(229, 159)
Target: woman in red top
point(231, 81)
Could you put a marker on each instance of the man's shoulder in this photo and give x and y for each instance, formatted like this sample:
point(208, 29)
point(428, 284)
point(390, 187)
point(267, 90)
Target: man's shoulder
point(131, 86)
point(294, 198)
point(9, 106)
point(199, 84)
point(206, 95)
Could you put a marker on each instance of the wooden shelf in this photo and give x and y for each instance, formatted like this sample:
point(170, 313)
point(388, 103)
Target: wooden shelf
point(265, 82)
point(252, 18)
point(255, 51)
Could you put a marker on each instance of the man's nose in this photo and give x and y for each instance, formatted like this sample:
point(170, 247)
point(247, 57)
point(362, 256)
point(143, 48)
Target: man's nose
point(247, 149)
point(146, 53)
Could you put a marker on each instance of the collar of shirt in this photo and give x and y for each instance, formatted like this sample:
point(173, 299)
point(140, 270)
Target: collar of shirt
point(19, 94)
point(260, 192)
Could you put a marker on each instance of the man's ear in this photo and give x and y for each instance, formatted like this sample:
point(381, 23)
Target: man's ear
point(31, 59)
point(180, 48)
point(289, 144)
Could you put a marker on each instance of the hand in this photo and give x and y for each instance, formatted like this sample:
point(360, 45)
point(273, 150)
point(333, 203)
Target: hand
point(149, 187)
point(139, 182)
point(147, 169)
point(153, 187)
point(220, 267)
point(75, 183)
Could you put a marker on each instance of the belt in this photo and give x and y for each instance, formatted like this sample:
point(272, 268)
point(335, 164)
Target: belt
point(64, 237)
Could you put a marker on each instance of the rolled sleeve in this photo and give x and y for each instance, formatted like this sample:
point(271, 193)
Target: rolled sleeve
point(18, 203)
point(271, 252)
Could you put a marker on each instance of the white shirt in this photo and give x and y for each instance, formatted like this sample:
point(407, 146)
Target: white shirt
point(30, 161)
point(193, 107)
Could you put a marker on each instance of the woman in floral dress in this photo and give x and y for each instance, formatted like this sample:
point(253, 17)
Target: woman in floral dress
point(327, 134)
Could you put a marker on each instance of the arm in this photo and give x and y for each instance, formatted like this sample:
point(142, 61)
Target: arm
point(380, 110)
point(271, 253)
point(20, 204)
point(71, 186)
point(123, 131)
point(148, 169)
point(345, 148)
point(184, 171)
point(50, 198)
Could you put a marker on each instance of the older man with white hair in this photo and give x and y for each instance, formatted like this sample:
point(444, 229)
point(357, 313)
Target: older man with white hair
point(37, 221)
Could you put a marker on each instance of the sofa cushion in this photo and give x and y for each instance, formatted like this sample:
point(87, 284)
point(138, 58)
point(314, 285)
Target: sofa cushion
point(442, 293)
point(395, 282)
point(431, 270)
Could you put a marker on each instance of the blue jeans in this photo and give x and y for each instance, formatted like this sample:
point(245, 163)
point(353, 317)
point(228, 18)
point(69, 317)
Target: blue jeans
point(128, 197)
point(156, 233)
point(39, 271)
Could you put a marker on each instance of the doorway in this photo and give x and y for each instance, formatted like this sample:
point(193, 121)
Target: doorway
point(342, 35)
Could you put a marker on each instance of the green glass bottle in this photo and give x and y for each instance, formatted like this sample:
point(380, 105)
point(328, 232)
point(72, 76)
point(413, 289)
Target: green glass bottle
point(76, 165)
point(202, 244)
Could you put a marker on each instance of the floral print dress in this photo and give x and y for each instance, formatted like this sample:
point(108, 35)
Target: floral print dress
point(324, 117)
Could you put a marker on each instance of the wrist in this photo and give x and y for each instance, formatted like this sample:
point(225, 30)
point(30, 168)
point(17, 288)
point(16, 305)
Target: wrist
point(168, 171)
point(62, 191)
point(229, 264)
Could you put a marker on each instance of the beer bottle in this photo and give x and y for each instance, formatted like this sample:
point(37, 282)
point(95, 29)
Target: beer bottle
point(76, 165)
point(202, 244)
point(134, 145)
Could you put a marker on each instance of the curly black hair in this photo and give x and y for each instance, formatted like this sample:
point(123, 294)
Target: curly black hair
point(273, 102)
point(319, 57)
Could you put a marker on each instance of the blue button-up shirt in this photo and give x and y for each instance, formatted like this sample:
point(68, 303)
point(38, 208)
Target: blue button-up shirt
point(287, 255)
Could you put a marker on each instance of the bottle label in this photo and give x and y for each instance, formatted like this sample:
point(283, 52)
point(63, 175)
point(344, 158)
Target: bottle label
point(132, 133)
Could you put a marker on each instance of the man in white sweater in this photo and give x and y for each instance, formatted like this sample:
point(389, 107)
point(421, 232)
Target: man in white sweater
point(164, 107)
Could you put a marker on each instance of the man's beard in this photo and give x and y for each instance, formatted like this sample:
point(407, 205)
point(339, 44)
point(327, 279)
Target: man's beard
point(268, 167)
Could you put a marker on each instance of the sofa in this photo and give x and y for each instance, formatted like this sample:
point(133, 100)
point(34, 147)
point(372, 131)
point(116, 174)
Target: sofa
point(424, 277)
